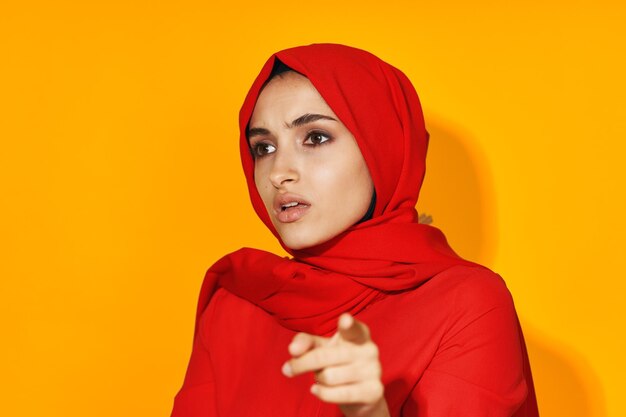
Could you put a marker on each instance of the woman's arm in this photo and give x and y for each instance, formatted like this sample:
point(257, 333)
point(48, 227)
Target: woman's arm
point(197, 395)
point(478, 369)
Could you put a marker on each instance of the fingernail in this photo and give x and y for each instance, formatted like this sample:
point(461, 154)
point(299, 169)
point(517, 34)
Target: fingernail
point(287, 371)
point(345, 321)
point(315, 389)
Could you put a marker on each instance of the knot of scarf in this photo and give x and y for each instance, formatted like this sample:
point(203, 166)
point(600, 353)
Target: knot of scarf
point(347, 274)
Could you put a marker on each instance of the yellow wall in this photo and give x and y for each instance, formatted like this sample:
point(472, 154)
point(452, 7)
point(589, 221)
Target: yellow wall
point(120, 181)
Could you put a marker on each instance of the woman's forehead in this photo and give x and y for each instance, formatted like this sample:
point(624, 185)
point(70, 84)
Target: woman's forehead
point(289, 96)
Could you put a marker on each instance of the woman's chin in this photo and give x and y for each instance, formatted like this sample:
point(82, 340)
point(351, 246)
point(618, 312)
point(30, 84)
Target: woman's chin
point(302, 236)
point(299, 241)
point(298, 244)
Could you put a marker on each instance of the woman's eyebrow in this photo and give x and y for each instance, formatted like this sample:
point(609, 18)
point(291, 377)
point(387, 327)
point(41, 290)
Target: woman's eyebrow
point(300, 121)
point(257, 131)
point(308, 118)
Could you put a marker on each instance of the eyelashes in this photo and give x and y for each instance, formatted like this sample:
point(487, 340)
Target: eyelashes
point(313, 139)
point(317, 138)
point(260, 149)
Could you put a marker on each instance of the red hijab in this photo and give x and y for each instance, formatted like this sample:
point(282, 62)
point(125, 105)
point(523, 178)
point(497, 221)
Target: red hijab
point(391, 252)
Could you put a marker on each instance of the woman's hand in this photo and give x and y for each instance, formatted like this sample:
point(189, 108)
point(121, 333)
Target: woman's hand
point(346, 367)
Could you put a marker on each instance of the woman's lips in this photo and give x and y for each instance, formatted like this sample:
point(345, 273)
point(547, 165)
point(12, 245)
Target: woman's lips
point(285, 210)
point(292, 214)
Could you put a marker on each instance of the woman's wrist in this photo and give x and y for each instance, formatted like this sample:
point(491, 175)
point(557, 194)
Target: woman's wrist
point(382, 410)
point(378, 409)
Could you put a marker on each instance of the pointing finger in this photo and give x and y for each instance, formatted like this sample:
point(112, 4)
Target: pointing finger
point(353, 330)
point(303, 342)
point(318, 359)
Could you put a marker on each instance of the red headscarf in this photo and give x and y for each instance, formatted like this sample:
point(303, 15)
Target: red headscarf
point(390, 252)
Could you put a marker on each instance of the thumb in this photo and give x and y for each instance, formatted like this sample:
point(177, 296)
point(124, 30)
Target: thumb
point(352, 330)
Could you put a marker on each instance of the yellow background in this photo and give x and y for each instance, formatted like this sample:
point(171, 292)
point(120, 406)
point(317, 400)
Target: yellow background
point(120, 180)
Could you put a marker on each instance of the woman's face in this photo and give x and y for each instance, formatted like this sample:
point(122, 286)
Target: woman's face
point(308, 167)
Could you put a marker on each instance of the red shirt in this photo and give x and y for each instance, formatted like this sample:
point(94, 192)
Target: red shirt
point(457, 335)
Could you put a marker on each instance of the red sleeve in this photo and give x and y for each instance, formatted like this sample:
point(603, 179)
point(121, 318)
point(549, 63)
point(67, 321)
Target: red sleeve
point(478, 369)
point(197, 395)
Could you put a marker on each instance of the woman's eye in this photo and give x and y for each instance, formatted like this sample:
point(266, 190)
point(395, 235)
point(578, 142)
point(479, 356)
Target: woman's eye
point(261, 149)
point(317, 138)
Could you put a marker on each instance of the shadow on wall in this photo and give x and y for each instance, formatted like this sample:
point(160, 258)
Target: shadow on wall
point(565, 383)
point(458, 193)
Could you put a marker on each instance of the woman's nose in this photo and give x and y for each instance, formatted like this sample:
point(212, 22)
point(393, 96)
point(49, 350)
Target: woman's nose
point(284, 168)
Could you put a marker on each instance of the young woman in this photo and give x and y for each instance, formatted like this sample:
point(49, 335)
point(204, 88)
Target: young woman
point(375, 315)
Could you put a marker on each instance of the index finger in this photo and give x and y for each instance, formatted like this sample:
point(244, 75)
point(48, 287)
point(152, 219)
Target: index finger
point(353, 330)
point(303, 342)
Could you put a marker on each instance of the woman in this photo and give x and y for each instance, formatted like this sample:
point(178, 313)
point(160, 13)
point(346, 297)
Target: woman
point(375, 315)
